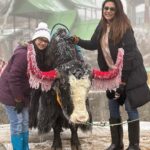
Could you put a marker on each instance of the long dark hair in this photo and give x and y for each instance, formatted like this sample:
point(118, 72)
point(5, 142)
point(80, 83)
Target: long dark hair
point(120, 22)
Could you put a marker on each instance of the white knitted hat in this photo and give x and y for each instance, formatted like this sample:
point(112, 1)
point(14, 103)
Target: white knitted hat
point(42, 31)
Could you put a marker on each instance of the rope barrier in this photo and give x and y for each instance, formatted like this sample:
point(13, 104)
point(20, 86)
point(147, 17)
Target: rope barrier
point(104, 123)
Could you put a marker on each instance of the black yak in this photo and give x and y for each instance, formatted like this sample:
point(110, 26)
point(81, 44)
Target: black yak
point(66, 103)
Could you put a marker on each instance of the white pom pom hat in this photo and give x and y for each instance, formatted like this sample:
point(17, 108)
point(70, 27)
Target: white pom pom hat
point(42, 31)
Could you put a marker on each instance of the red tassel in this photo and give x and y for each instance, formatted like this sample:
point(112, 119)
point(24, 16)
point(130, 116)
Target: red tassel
point(97, 74)
point(108, 79)
point(52, 74)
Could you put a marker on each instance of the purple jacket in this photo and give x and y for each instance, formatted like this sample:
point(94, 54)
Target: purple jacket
point(14, 82)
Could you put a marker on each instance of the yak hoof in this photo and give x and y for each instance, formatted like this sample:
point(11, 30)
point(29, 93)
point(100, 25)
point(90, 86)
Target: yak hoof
point(56, 148)
point(76, 147)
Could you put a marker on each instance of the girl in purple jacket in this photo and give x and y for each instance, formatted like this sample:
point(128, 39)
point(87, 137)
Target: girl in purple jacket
point(26, 69)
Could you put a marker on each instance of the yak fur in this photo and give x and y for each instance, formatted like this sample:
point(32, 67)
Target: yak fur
point(56, 108)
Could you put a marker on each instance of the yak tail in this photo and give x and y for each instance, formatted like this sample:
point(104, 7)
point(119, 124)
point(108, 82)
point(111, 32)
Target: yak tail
point(47, 114)
point(34, 107)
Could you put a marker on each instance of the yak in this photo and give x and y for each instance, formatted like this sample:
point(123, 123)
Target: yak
point(66, 104)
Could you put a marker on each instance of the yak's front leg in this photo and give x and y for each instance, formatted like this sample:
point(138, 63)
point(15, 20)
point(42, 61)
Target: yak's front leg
point(75, 143)
point(57, 144)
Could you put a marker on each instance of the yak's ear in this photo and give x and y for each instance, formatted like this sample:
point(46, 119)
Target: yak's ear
point(69, 73)
point(62, 75)
point(88, 68)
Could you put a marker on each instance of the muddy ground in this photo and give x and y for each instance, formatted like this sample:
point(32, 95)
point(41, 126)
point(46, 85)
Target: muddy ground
point(98, 139)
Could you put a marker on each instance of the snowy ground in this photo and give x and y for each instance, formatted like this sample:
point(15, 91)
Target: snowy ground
point(99, 139)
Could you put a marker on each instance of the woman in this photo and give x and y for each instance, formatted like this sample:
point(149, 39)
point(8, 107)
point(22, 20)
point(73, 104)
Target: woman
point(113, 32)
point(24, 70)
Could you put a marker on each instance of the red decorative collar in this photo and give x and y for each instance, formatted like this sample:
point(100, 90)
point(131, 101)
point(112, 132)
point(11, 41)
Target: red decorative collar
point(37, 77)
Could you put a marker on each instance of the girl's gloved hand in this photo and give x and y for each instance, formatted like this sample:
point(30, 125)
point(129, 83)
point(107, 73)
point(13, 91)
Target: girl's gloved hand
point(19, 106)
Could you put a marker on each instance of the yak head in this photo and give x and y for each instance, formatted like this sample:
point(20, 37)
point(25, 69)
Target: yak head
point(79, 89)
point(74, 82)
point(73, 90)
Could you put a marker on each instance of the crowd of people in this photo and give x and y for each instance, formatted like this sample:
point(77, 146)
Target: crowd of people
point(114, 32)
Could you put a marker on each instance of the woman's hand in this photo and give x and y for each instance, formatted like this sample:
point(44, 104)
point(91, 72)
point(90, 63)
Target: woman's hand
point(110, 94)
point(73, 39)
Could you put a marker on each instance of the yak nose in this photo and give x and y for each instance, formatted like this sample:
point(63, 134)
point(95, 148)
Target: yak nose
point(79, 119)
point(82, 119)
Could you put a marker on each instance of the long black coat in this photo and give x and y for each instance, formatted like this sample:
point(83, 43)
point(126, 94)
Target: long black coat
point(133, 72)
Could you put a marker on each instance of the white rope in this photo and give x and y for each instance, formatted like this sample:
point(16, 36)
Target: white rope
point(106, 123)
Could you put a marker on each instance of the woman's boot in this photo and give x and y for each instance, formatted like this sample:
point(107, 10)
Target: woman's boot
point(134, 135)
point(116, 135)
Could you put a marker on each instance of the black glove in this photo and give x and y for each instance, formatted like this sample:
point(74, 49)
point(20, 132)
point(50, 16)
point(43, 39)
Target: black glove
point(110, 94)
point(121, 92)
point(19, 106)
point(121, 99)
point(121, 89)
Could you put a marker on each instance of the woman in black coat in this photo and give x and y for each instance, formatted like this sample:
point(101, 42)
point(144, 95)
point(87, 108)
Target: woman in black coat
point(113, 32)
